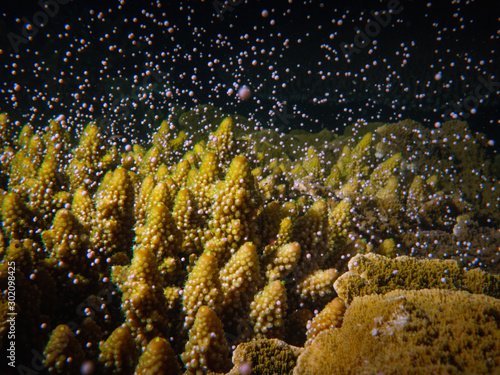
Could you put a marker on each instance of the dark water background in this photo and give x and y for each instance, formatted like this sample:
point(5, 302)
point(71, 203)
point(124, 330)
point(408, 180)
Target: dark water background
point(392, 75)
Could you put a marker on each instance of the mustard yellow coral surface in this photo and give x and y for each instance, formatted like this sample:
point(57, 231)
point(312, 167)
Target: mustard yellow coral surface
point(173, 256)
point(410, 332)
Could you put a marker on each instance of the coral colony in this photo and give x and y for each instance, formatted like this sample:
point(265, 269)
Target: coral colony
point(249, 187)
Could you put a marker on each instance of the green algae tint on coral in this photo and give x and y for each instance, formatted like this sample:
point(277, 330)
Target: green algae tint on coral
point(376, 274)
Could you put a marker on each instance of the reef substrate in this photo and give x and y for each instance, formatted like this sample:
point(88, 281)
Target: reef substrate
point(250, 252)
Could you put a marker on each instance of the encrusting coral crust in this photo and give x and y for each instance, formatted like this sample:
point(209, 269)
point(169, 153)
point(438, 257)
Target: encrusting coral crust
point(372, 273)
point(264, 357)
point(410, 332)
